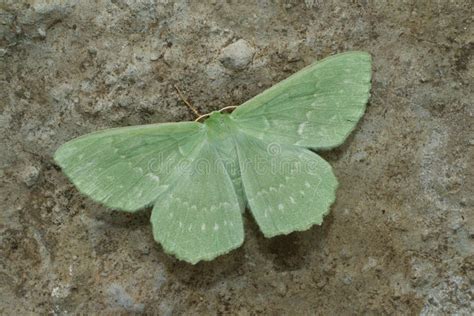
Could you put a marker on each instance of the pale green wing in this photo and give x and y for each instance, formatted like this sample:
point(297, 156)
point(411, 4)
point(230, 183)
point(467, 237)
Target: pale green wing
point(199, 217)
point(127, 168)
point(316, 107)
point(288, 188)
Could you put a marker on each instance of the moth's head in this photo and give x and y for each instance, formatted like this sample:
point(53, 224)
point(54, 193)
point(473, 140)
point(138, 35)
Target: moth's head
point(218, 121)
point(216, 118)
point(215, 115)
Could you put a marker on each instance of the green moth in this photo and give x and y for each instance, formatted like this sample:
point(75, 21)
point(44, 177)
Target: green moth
point(200, 177)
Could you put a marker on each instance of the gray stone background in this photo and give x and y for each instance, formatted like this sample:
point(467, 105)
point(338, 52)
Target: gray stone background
point(399, 239)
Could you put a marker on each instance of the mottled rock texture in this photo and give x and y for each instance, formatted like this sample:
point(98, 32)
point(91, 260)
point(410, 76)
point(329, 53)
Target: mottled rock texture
point(399, 239)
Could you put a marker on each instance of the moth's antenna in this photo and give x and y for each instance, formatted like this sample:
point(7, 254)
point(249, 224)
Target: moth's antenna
point(223, 109)
point(228, 108)
point(186, 102)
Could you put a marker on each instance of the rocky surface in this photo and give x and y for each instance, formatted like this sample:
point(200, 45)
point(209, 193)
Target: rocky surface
point(399, 239)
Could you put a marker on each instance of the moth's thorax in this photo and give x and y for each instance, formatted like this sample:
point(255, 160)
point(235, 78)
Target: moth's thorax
point(219, 125)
